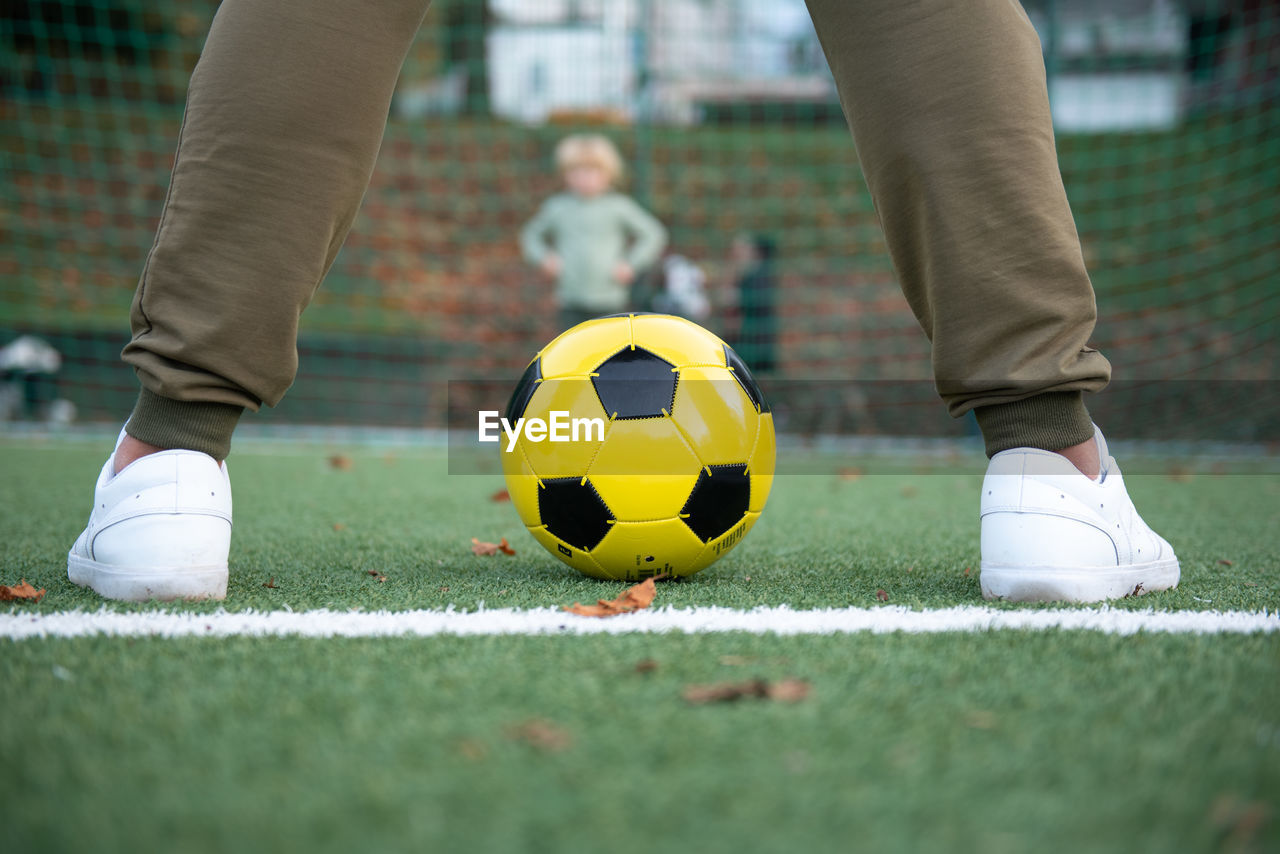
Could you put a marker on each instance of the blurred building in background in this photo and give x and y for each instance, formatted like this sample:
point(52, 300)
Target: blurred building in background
point(1113, 64)
point(651, 60)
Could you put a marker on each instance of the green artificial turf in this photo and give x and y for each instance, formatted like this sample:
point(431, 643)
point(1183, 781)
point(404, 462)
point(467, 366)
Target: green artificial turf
point(994, 741)
point(1003, 741)
point(317, 532)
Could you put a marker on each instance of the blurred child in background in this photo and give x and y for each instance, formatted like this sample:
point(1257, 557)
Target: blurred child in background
point(682, 289)
point(591, 240)
point(752, 324)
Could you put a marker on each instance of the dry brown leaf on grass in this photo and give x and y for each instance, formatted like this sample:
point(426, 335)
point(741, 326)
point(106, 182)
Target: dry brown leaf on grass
point(1238, 821)
point(341, 462)
point(378, 575)
point(480, 547)
point(472, 749)
point(1225, 562)
point(789, 690)
point(783, 690)
point(21, 590)
point(724, 692)
point(980, 719)
point(635, 598)
point(542, 734)
point(270, 582)
point(500, 496)
point(882, 596)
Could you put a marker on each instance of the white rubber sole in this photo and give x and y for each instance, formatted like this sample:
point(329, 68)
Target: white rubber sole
point(145, 583)
point(1086, 584)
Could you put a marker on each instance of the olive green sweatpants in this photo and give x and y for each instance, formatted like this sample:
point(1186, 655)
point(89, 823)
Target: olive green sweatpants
point(949, 113)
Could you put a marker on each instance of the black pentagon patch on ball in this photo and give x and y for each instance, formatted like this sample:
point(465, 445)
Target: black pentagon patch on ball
point(573, 511)
point(524, 390)
point(739, 369)
point(719, 500)
point(635, 383)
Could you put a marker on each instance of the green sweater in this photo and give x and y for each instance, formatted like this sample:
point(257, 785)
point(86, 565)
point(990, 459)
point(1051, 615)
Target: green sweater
point(591, 235)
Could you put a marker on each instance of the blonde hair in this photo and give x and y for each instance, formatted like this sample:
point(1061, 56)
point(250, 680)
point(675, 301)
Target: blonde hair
point(593, 149)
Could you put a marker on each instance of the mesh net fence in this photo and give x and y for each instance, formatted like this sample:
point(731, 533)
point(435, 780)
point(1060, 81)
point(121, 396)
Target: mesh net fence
point(1167, 126)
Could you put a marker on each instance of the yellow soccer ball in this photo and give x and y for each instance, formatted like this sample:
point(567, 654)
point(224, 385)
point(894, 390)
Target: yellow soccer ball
point(640, 445)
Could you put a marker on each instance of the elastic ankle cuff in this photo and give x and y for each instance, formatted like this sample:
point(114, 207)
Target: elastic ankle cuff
point(193, 425)
point(1050, 421)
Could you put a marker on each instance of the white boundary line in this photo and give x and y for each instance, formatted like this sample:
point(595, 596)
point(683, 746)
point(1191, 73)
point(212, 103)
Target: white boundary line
point(781, 620)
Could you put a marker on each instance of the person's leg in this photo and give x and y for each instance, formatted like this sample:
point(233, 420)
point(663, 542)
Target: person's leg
point(285, 114)
point(949, 110)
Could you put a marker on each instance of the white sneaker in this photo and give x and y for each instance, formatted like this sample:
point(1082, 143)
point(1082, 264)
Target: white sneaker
point(160, 529)
point(1051, 534)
